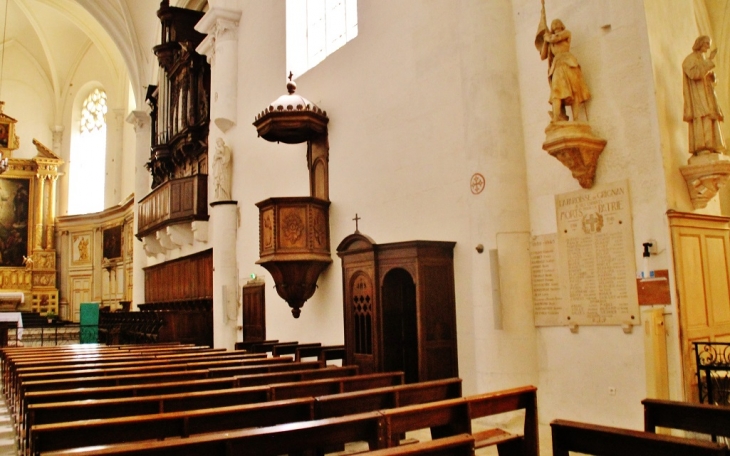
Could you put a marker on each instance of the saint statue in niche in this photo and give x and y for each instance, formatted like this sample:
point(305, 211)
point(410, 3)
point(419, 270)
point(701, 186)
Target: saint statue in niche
point(701, 110)
point(567, 86)
point(222, 171)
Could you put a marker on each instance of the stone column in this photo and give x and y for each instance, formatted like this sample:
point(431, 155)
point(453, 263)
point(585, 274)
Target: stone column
point(223, 223)
point(51, 220)
point(221, 48)
point(40, 193)
point(141, 122)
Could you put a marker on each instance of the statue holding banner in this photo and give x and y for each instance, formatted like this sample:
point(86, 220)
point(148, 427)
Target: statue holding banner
point(570, 140)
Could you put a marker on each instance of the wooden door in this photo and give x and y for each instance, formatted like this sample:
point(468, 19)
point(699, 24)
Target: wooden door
point(253, 312)
point(701, 246)
point(80, 292)
point(400, 325)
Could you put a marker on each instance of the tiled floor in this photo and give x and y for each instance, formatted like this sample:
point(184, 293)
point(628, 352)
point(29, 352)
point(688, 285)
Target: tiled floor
point(8, 445)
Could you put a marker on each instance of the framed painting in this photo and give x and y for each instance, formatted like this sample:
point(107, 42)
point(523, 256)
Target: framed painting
point(112, 239)
point(14, 221)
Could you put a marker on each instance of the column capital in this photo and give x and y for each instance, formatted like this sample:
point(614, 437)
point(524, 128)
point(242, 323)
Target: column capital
point(222, 23)
point(138, 119)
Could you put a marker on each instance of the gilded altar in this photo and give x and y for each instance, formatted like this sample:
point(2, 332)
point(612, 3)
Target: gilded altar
point(27, 230)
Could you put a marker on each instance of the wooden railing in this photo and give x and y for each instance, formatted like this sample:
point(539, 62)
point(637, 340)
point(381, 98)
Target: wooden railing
point(175, 201)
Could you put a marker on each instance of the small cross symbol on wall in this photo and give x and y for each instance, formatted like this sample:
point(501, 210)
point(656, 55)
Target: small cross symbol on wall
point(357, 219)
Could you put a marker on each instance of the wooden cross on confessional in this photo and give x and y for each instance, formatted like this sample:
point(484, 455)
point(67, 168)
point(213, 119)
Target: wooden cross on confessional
point(356, 219)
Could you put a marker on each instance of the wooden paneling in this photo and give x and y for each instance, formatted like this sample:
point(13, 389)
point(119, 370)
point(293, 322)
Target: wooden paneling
point(186, 278)
point(401, 297)
point(701, 245)
point(173, 202)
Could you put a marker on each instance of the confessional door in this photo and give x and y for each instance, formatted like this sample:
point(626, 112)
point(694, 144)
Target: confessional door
point(400, 324)
point(701, 248)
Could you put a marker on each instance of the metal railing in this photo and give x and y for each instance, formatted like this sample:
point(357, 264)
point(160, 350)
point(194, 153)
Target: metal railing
point(45, 335)
point(713, 372)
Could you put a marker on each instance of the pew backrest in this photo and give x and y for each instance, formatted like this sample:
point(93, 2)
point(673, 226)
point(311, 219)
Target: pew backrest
point(703, 418)
point(571, 436)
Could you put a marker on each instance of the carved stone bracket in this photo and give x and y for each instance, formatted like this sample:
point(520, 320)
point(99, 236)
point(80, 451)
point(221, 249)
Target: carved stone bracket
point(705, 174)
point(151, 246)
point(200, 231)
point(181, 234)
point(575, 145)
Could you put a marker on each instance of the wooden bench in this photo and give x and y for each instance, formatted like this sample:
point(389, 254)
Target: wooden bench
point(290, 349)
point(185, 423)
point(703, 418)
point(247, 345)
point(610, 441)
point(45, 413)
point(458, 445)
point(380, 429)
point(303, 352)
point(117, 356)
point(56, 360)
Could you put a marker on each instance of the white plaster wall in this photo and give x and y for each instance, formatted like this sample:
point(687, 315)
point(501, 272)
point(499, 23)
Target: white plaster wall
point(610, 41)
point(28, 99)
point(424, 97)
point(673, 30)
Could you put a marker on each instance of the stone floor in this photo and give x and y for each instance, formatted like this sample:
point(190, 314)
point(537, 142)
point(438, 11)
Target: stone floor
point(8, 443)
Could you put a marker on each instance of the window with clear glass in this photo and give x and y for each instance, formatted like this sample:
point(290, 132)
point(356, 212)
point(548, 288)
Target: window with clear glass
point(316, 29)
point(87, 166)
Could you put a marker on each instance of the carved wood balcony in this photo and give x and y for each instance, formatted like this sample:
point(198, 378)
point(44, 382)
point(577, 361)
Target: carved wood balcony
point(176, 201)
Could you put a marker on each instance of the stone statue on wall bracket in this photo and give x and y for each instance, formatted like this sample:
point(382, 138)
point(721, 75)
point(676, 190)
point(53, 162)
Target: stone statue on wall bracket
point(708, 169)
point(569, 139)
point(222, 171)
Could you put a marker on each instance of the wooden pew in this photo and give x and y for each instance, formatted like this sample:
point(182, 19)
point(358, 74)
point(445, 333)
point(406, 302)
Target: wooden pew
point(325, 406)
point(290, 349)
point(303, 352)
point(87, 409)
point(45, 396)
point(185, 423)
point(54, 360)
point(145, 374)
point(248, 345)
point(267, 346)
point(703, 418)
point(27, 419)
point(610, 441)
point(458, 445)
point(380, 429)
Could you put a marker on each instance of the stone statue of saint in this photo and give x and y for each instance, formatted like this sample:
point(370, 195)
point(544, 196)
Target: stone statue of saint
point(567, 86)
point(222, 171)
point(701, 110)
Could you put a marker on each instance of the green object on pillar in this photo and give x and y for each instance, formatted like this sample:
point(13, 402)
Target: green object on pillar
point(89, 323)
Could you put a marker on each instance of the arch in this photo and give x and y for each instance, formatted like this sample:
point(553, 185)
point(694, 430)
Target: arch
point(87, 161)
point(400, 323)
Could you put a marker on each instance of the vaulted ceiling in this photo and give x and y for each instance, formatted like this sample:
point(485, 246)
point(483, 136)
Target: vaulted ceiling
point(55, 33)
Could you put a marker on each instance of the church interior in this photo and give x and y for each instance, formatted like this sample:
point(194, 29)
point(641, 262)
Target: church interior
point(520, 194)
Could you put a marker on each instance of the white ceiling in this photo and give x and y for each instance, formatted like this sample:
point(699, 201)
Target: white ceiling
point(55, 33)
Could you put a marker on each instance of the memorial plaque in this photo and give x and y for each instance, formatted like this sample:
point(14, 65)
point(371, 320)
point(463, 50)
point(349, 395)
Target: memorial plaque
point(545, 282)
point(596, 259)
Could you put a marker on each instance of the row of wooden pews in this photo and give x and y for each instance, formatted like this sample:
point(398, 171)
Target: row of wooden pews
point(137, 400)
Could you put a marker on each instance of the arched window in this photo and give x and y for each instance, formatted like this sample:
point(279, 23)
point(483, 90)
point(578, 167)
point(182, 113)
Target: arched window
point(316, 29)
point(88, 157)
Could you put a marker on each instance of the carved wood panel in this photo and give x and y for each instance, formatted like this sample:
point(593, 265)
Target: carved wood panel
point(186, 278)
